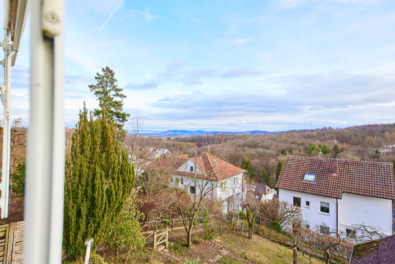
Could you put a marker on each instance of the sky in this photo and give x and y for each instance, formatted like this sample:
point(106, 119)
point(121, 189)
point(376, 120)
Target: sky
point(229, 65)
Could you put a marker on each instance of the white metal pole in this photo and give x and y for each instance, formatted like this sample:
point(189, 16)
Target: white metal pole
point(45, 142)
point(5, 172)
point(88, 244)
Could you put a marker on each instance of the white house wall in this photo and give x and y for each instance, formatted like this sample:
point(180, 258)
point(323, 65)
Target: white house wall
point(219, 193)
point(186, 167)
point(313, 213)
point(370, 211)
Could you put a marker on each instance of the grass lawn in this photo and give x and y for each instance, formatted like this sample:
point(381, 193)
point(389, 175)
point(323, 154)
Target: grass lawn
point(259, 249)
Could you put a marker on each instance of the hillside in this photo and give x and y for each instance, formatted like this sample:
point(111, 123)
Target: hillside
point(265, 151)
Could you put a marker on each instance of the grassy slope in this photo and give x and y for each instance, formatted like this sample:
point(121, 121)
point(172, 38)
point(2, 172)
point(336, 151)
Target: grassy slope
point(260, 249)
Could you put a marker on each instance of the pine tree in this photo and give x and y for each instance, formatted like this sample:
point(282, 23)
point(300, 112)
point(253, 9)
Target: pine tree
point(110, 98)
point(246, 165)
point(337, 150)
point(99, 180)
point(18, 179)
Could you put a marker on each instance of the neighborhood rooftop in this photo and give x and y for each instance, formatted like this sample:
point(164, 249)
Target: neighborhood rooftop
point(335, 177)
point(211, 167)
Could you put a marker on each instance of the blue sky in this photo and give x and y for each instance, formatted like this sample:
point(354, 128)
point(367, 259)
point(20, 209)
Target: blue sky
point(231, 65)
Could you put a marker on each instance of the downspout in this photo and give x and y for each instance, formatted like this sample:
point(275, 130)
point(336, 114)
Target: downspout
point(337, 217)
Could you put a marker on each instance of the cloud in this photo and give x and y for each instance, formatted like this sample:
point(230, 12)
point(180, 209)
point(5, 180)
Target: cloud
point(145, 14)
point(112, 13)
point(333, 99)
point(143, 86)
point(196, 76)
point(241, 72)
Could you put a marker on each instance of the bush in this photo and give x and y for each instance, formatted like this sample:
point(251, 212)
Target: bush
point(125, 232)
point(242, 215)
point(96, 259)
point(209, 234)
point(275, 225)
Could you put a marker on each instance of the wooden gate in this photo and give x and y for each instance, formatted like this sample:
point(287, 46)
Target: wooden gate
point(161, 237)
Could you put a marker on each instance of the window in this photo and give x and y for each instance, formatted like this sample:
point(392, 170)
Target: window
point(192, 190)
point(350, 233)
point(309, 177)
point(256, 197)
point(182, 181)
point(297, 201)
point(307, 203)
point(191, 168)
point(324, 230)
point(177, 181)
point(325, 207)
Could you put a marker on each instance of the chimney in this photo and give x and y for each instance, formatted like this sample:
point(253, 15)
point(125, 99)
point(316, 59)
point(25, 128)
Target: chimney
point(320, 154)
point(334, 167)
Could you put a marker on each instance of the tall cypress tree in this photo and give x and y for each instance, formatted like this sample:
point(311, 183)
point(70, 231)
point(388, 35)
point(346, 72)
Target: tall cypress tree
point(99, 180)
point(246, 164)
point(110, 97)
point(265, 178)
point(278, 171)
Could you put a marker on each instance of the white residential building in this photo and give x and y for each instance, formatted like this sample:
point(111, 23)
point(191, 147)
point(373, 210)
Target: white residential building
point(225, 180)
point(339, 195)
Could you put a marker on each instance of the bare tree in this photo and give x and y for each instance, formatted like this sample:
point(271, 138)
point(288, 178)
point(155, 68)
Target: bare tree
point(193, 196)
point(153, 182)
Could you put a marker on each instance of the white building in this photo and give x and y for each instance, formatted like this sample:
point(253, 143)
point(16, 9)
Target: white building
point(339, 195)
point(261, 192)
point(225, 181)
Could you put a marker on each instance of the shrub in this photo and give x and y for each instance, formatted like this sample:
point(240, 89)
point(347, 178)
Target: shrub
point(96, 259)
point(275, 225)
point(209, 234)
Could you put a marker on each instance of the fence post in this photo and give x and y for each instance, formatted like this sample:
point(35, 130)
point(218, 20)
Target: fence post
point(220, 226)
point(155, 239)
point(167, 237)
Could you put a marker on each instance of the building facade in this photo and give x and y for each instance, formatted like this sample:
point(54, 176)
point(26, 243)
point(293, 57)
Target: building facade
point(339, 196)
point(207, 173)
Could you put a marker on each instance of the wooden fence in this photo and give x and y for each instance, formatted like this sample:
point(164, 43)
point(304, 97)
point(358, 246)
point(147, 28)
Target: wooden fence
point(11, 243)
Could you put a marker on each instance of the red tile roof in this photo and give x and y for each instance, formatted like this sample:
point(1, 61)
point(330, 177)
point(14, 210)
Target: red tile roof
point(260, 190)
point(367, 178)
point(211, 167)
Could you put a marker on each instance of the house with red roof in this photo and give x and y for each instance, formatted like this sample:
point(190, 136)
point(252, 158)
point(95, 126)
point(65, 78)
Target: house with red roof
point(225, 180)
point(261, 192)
point(337, 195)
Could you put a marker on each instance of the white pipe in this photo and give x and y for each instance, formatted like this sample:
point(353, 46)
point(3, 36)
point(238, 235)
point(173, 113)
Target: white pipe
point(88, 244)
point(45, 143)
point(5, 183)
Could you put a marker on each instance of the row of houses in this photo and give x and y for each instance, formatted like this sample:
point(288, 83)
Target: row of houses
point(334, 195)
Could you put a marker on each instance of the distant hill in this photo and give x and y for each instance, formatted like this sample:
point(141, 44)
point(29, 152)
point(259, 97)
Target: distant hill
point(188, 133)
